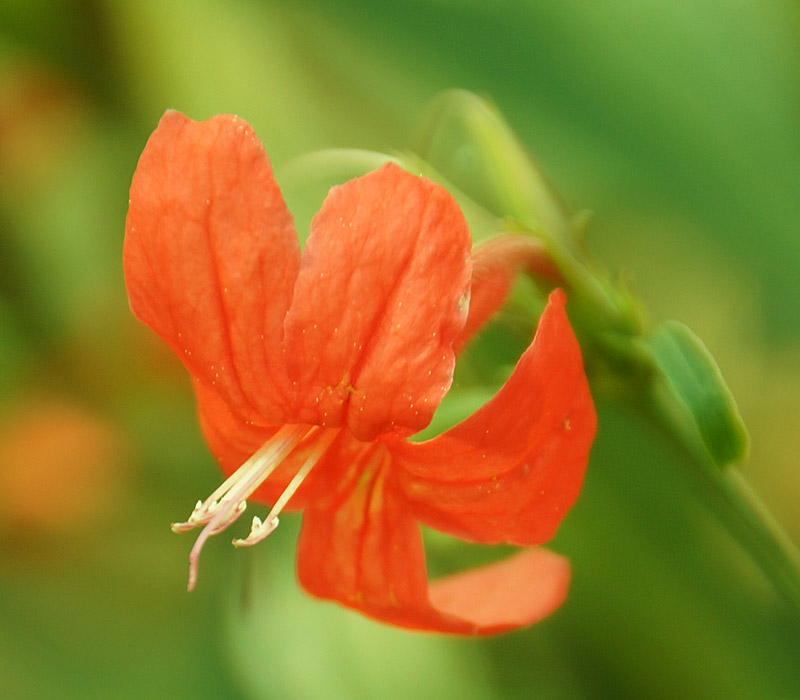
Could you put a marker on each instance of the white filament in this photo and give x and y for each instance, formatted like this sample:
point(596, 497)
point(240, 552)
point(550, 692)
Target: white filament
point(229, 501)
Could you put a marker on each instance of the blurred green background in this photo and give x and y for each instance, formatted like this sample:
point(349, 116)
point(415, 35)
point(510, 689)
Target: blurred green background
point(676, 123)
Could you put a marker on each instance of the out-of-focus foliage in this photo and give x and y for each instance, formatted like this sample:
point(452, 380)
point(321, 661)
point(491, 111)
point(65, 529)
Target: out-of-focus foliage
point(676, 123)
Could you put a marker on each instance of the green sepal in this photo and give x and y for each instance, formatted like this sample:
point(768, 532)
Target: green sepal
point(467, 140)
point(690, 389)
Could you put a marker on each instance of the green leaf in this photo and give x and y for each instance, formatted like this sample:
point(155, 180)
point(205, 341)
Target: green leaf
point(693, 393)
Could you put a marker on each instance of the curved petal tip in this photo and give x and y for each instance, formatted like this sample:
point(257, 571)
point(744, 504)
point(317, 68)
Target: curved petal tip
point(510, 594)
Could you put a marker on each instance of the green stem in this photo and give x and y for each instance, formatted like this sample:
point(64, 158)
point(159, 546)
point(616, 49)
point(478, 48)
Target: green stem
point(766, 540)
point(750, 522)
point(745, 516)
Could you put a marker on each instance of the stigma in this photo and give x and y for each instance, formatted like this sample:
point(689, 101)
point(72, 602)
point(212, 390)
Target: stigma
point(227, 503)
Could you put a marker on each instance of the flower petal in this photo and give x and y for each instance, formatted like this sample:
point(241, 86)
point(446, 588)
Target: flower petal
point(380, 298)
point(495, 264)
point(515, 592)
point(511, 471)
point(360, 546)
point(211, 257)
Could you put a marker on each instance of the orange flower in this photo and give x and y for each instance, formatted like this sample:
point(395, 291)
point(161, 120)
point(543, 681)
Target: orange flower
point(312, 370)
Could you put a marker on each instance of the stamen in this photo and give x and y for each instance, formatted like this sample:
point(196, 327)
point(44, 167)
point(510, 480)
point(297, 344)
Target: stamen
point(228, 501)
point(270, 453)
point(259, 530)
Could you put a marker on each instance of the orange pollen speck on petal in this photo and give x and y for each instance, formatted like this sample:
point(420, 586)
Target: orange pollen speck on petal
point(223, 507)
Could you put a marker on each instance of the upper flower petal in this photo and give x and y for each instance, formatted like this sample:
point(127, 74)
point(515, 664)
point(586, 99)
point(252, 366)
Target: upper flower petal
point(211, 257)
point(380, 298)
point(511, 471)
point(359, 545)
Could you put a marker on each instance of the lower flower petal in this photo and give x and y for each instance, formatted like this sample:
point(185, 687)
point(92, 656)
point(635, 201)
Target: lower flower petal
point(512, 593)
point(511, 471)
point(360, 546)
